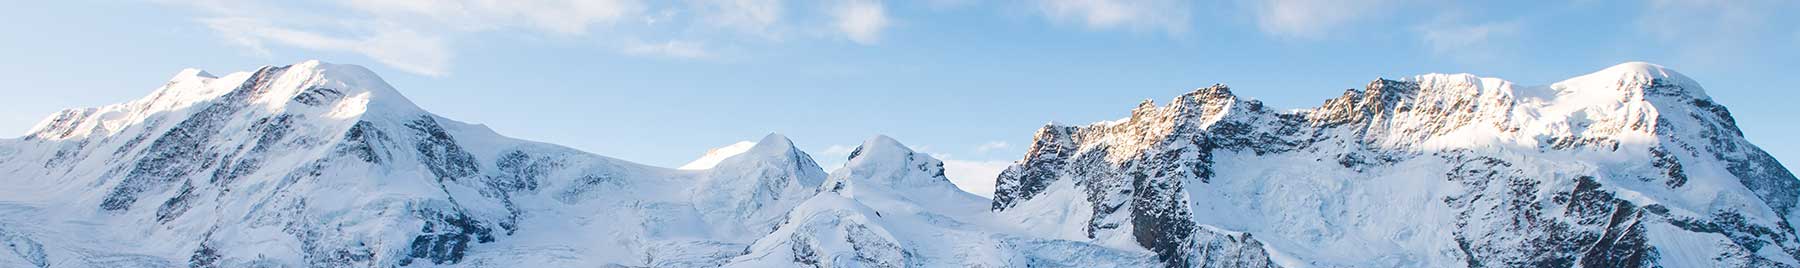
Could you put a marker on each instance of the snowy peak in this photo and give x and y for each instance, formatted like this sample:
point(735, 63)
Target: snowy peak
point(886, 162)
point(1602, 110)
point(879, 148)
point(347, 90)
point(1636, 73)
point(311, 88)
point(310, 83)
point(753, 189)
point(1640, 70)
point(1198, 108)
point(773, 144)
point(1630, 81)
point(772, 148)
point(192, 73)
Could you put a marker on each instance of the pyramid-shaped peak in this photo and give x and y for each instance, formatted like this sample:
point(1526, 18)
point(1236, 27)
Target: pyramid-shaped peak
point(880, 147)
point(772, 148)
point(191, 73)
point(773, 142)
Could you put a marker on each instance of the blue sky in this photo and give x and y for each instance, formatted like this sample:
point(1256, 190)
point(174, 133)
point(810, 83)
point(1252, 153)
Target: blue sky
point(659, 82)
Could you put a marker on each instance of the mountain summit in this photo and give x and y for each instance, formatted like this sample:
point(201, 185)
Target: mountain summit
point(325, 165)
point(1631, 166)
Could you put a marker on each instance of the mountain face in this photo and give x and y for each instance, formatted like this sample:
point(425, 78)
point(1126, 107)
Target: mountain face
point(323, 165)
point(1632, 166)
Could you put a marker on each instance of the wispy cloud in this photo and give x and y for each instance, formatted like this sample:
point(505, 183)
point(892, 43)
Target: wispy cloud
point(398, 47)
point(671, 48)
point(420, 36)
point(413, 36)
point(1312, 18)
point(991, 146)
point(755, 17)
point(834, 156)
point(1167, 15)
point(974, 176)
point(567, 17)
point(861, 20)
point(1468, 42)
point(838, 151)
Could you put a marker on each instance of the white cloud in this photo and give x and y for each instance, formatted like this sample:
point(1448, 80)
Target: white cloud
point(419, 35)
point(974, 176)
point(838, 150)
point(834, 156)
point(1468, 42)
point(568, 17)
point(991, 146)
point(1312, 18)
point(1169, 15)
point(756, 17)
point(411, 35)
point(861, 20)
point(397, 47)
point(671, 48)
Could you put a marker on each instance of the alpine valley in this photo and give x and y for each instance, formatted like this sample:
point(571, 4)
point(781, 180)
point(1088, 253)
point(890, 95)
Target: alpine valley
point(325, 165)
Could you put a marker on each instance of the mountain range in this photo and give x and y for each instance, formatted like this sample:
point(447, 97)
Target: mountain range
point(326, 165)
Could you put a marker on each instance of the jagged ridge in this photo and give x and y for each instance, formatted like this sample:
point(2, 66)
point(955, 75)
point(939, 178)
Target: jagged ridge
point(1601, 170)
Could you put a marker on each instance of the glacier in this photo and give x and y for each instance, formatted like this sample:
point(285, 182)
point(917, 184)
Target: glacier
point(326, 165)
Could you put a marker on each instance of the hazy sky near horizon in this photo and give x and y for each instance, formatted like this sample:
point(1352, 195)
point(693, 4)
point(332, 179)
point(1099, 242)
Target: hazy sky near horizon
point(660, 82)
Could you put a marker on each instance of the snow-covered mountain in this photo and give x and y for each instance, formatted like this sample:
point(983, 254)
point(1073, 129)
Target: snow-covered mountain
point(323, 165)
point(1631, 166)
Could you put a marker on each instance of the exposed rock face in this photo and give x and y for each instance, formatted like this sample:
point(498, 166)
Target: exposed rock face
point(1602, 170)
